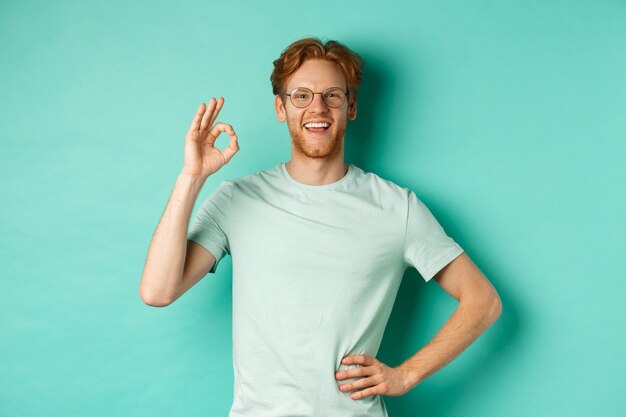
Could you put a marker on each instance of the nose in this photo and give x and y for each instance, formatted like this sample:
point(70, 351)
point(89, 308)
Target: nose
point(318, 105)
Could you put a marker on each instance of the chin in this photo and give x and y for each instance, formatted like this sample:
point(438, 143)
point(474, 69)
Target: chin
point(326, 151)
point(308, 147)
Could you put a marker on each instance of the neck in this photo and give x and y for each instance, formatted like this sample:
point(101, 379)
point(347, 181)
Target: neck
point(316, 171)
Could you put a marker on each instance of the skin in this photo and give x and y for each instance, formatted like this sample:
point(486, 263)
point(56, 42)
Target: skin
point(318, 161)
point(173, 263)
point(201, 157)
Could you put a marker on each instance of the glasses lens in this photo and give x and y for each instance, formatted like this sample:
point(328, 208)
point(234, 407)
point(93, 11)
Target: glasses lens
point(334, 97)
point(301, 97)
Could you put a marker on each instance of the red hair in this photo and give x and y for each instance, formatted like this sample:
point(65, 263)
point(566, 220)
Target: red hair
point(299, 51)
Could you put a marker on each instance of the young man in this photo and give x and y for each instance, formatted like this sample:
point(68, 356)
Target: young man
point(319, 248)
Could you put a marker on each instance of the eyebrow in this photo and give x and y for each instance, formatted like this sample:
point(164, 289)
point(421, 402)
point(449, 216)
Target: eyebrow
point(310, 88)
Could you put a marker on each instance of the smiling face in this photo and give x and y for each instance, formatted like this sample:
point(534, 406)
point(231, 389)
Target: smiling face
point(317, 75)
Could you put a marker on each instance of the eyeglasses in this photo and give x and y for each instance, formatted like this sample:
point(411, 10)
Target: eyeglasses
point(301, 97)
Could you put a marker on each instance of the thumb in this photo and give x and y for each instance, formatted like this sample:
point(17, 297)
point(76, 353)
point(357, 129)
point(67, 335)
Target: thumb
point(232, 148)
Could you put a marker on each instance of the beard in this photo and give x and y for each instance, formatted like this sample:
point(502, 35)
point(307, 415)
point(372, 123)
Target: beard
point(323, 148)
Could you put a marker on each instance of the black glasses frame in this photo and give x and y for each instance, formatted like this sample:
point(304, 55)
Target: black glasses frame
point(347, 93)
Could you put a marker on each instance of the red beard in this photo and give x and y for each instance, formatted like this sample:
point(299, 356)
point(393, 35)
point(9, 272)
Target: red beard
point(323, 148)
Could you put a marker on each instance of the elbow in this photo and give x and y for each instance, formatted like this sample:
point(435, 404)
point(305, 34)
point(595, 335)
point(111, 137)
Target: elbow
point(152, 298)
point(495, 309)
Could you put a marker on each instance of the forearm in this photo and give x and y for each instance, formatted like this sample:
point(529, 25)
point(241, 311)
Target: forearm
point(469, 321)
point(162, 274)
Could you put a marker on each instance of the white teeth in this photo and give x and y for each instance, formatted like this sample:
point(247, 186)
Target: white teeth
point(317, 125)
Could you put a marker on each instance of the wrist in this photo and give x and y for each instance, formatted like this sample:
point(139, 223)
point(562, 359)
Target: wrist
point(192, 177)
point(190, 180)
point(411, 376)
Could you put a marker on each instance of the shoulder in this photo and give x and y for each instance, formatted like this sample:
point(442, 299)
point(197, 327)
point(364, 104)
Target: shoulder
point(251, 181)
point(380, 184)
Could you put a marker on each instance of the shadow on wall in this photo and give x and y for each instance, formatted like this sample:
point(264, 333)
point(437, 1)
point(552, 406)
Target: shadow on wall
point(386, 78)
point(361, 132)
point(383, 82)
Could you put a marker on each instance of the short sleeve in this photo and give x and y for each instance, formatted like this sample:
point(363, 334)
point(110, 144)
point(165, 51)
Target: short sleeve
point(209, 225)
point(427, 247)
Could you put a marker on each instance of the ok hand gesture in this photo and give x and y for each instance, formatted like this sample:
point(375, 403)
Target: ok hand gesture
point(202, 158)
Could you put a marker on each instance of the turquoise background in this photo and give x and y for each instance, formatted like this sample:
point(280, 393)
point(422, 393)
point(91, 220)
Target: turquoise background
point(506, 118)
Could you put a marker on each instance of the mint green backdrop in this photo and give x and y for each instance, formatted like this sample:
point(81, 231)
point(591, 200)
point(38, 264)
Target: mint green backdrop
point(508, 119)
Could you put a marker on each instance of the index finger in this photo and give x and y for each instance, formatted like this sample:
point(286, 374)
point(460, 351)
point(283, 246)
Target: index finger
point(195, 123)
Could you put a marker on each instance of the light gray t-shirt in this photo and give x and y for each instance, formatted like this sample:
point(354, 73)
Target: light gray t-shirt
point(316, 270)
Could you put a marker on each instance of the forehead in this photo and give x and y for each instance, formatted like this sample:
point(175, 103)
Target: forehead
point(317, 75)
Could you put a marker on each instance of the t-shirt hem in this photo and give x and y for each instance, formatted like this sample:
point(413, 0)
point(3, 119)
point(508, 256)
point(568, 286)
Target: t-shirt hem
point(444, 260)
point(216, 250)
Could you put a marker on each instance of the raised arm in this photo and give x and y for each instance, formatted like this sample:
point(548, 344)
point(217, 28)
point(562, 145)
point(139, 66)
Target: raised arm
point(173, 264)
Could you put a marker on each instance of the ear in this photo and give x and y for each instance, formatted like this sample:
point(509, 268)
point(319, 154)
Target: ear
point(352, 109)
point(279, 106)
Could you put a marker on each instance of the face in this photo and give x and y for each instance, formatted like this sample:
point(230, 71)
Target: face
point(317, 75)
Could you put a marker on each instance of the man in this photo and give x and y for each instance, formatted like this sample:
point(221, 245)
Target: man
point(319, 248)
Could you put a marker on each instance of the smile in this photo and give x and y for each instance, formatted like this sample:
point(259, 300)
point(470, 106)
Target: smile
point(317, 127)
